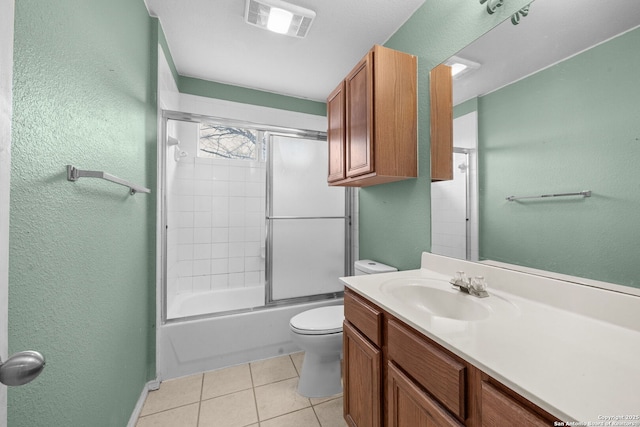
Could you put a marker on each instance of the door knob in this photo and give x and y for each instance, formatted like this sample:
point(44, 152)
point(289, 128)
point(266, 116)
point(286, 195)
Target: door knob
point(21, 368)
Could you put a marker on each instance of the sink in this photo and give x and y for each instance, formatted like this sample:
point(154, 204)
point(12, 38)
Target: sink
point(436, 298)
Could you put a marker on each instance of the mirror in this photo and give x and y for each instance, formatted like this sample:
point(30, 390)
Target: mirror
point(556, 104)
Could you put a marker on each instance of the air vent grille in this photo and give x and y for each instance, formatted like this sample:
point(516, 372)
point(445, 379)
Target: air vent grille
point(257, 13)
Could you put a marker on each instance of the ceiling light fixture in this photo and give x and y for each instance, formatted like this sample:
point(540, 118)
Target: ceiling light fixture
point(460, 66)
point(279, 16)
point(279, 20)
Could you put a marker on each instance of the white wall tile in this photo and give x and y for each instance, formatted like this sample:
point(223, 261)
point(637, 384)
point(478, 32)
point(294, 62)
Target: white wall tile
point(236, 234)
point(219, 234)
point(185, 236)
point(203, 203)
point(202, 235)
point(220, 173)
point(236, 249)
point(185, 268)
point(220, 266)
point(236, 280)
point(236, 264)
point(252, 278)
point(220, 188)
point(201, 267)
point(185, 252)
point(202, 283)
point(219, 250)
point(201, 251)
point(219, 281)
point(202, 219)
point(184, 219)
point(185, 285)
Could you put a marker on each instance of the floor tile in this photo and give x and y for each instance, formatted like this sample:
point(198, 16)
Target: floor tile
point(297, 360)
point(279, 398)
point(330, 413)
point(303, 418)
point(185, 416)
point(271, 370)
point(225, 381)
point(172, 394)
point(232, 410)
point(319, 400)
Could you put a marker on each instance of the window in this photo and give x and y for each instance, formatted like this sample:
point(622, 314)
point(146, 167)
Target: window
point(224, 142)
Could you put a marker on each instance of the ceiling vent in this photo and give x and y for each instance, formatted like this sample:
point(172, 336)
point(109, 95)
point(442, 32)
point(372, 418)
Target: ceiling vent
point(279, 16)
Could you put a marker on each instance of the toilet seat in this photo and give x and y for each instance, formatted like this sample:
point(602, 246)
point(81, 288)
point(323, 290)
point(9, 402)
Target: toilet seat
point(319, 321)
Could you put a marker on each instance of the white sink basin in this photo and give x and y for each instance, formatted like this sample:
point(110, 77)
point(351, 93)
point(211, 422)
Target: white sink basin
point(436, 298)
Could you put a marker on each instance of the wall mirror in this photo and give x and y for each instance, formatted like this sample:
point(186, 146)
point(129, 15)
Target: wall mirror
point(549, 106)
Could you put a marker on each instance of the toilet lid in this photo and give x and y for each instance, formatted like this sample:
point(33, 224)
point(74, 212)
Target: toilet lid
point(319, 321)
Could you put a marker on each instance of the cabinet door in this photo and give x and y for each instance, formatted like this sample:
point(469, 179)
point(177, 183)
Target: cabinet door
point(362, 364)
point(359, 118)
point(441, 92)
point(336, 134)
point(409, 406)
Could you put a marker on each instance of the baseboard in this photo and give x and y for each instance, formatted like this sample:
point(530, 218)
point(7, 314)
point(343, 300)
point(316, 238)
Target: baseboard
point(150, 386)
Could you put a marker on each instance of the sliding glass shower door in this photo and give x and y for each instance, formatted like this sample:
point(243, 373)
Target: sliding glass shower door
point(307, 222)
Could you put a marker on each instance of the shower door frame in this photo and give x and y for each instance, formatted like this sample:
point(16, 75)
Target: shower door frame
point(269, 130)
point(269, 217)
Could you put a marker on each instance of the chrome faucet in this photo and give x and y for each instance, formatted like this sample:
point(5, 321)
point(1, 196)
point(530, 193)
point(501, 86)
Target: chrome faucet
point(476, 286)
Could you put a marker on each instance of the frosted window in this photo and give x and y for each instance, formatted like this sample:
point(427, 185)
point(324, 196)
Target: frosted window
point(224, 142)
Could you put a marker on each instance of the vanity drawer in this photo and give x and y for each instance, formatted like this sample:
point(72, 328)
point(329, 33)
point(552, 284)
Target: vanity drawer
point(499, 410)
point(443, 376)
point(364, 316)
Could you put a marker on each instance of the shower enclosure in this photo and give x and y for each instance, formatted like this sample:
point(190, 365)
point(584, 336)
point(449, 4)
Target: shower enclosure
point(454, 203)
point(249, 221)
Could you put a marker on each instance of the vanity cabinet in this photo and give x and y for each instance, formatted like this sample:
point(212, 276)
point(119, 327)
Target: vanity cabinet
point(395, 376)
point(362, 358)
point(372, 121)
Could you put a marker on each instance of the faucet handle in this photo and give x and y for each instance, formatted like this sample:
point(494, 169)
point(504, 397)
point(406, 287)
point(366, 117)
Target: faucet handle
point(479, 286)
point(461, 277)
point(460, 280)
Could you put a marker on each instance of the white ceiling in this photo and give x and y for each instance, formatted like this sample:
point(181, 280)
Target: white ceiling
point(554, 30)
point(209, 40)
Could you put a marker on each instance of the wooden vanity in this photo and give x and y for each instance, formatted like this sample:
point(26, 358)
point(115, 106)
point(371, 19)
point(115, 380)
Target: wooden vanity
point(395, 376)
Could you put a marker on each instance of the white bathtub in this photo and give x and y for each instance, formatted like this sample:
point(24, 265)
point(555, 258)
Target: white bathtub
point(192, 346)
point(199, 303)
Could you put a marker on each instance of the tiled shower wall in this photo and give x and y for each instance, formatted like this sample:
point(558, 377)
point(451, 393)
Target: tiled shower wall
point(216, 211)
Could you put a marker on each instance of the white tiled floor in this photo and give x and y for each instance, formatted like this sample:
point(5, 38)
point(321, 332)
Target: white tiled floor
point(257, 394)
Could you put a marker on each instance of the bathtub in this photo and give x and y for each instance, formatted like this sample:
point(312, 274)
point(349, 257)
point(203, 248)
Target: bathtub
point(199, 303)
point(188, 347)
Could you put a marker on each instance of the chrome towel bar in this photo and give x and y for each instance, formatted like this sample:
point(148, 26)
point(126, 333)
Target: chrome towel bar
point(586, 193)
point(74, 173)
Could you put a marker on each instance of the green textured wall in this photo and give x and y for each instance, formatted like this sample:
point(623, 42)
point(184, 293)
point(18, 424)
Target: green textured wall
point(199, 87)
point(572, 127)
point(82, 255)
point(395, 218)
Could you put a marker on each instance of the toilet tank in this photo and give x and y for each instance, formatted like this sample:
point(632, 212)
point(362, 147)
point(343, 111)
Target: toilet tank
point(366, 266)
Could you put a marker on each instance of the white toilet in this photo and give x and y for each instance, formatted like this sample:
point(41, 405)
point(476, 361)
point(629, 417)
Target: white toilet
point(319, 333)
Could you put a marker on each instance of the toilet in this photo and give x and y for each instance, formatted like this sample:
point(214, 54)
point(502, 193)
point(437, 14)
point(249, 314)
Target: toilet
point(319, 333)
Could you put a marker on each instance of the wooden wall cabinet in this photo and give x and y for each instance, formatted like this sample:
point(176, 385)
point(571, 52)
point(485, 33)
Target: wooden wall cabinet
point(441, 95)
point(395, 377)
point(372, 121)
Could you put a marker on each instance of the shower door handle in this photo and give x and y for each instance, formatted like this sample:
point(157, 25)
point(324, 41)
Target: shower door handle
point(21, 368)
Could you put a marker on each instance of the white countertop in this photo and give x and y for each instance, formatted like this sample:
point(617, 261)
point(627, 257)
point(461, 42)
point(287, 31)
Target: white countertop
point(579, 368)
